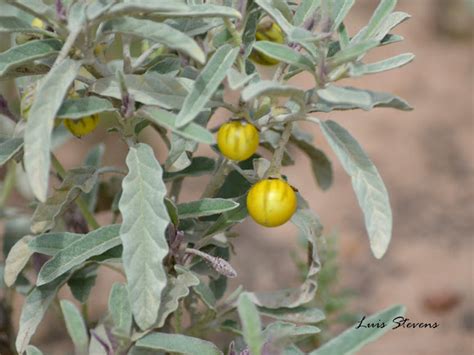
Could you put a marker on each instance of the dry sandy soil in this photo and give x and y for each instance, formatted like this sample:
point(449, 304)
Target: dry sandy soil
point(426, 160)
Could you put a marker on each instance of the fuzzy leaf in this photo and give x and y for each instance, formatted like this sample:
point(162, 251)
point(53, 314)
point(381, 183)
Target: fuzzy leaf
point(251, 324)
point(145, 219)
point(283, 331)
point(92, 244)
point(284, 54)
point(383, 10)
point(237, 80)
point(8, 149)
point(339, 12)
point(367, 183)
point(229, 218)
point(85, 106)
point(199, 166)
point(359, 69)
point(305, 10)
point(205, 207)
point(82, 281)
point(16, 260)
point(51, 243)
point(17, 56)
point(120, 309)
point(156, 31)
point(51, 92)
point(167, 120)
point(94, 159)
point(272, 9)
point(177, 343)
point(352, 52)
point(76, 327)
point(352, 340)
point(75, 181)
point(295, 315)
point(207, 83)
point(272, 88)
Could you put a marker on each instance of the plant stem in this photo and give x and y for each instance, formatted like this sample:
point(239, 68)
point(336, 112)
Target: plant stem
point(233, 32)
point(218, 180)
point(79, 201)
point(275, 164)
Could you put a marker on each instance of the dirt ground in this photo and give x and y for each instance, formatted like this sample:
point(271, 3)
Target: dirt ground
point(426, 160)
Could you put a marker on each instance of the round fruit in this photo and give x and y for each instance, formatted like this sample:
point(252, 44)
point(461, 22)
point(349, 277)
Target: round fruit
point(268, 31)
point(38, 23)
point(271, 202)
point(237, 141)
point(82, 126)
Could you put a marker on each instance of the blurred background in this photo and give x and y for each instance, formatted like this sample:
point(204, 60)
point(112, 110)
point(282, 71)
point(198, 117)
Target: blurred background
point(426, 160)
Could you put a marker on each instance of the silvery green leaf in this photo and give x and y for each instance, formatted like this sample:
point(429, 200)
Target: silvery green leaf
point(344, 40)
point(176, 289)
point(81, 282)
point(352, 340)
point(229, 218)
point(205, 207)
point(203, 10)
point(310, 228)
point(250, 29)
point(281, 332)
point(383, 10)
point(251, 323)
point(178, 343)
point(85, 106)
point(8, 148)
point(145, 220)
point(120, 309)
point(352, 52)
point(359, 69)
point(268, 87)
point(150, 89)
point(76, 327)
point(51, 92)
point(392, 20)
point(9, 24)
point(340, 10)
point(51, 243)
point(36, 8)
point(92, 244)
point(179, 156)
point(26, 53)
point(158, 32)
point(284, 54)
point(75, 181)
point(132, 7)
point(33, 350)
point(35, 306)
point(269, 6)
point(199, 166)
point(305, 10)
point(367, 183)
point(348, 98)
point(76, 17)
point(167, 120)
point(94, 159)
point(206, 295)
point(195, 27)
point(206, 83)
point(237, 80)
point(295, 315)
point(16, 260)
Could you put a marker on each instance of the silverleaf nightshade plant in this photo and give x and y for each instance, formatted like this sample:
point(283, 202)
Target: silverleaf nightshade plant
point(164, 66)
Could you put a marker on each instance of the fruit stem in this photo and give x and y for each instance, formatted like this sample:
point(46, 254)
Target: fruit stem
point(79, 201)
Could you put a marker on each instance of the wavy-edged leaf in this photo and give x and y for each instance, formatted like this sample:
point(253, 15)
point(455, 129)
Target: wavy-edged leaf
point(251, 323)
point(348, 98)
point(295, 315)
point(76, 327)
point(353, 339)
point(35, 306)
point(156, 31)
point(9, 148)
point(205, 207)
point(199, 166)
point(75, 181)
point(92, 244)
point(359, 69)
point(51, 92)
point(310, 228)
point(120, 309)
point(85, 106)
point(51, 243)
point(151, 88)
point(16, 260)
point(176, 289)
point(179, 156)
point(145, 220)
point(18, 56)
point(206, 295)
point(207, 83)
point(178, 343)
point(367, 183)
point(284, 54)
point(167, 120)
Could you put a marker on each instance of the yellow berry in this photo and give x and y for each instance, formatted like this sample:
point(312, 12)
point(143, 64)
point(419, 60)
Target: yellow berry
point(82, 126)
point(237, 141)
point(38, 23)
point(271, 202)
point(267, 32)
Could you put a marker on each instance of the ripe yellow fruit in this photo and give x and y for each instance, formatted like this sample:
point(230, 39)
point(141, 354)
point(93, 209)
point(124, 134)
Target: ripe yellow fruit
point(82, 126)
point(237, 140)
point(38, 23)
point(271, 202)
point(269, 31)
